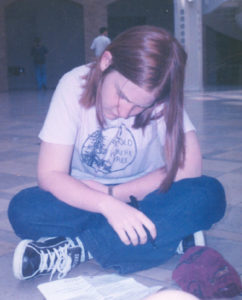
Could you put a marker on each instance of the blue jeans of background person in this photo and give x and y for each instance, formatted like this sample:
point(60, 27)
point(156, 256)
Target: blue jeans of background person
point(40, 73)
point(190, 205)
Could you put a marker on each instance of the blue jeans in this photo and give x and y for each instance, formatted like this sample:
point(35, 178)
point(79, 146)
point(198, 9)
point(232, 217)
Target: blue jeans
point(40, 74)
point(188, 206)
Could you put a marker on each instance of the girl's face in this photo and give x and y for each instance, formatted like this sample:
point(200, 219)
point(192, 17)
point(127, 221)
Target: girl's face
point(121, 98)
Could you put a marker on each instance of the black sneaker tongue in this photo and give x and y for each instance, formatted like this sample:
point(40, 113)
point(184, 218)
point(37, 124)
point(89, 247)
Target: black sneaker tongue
point(31, 262)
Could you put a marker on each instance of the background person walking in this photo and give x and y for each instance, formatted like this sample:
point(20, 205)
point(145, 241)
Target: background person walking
point(100, 43)
point(38, 52)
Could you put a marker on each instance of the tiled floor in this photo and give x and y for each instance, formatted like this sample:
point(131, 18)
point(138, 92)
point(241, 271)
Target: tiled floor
point(218, 118)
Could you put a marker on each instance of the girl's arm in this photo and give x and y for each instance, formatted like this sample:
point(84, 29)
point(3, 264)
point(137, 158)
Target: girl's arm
point(193, 159)
point(53, 176)
point(144, 185)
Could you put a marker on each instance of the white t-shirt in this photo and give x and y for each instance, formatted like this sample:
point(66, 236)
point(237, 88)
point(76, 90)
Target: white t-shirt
point(115, 154)
point(99, 44)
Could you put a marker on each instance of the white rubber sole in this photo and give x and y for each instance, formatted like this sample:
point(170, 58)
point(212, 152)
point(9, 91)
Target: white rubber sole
point(18, 259)
point(199, 238)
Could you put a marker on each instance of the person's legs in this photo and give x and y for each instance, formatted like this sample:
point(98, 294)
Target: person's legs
point(189, 206)
point(38, 75)
point(43, 75)
point(35, 213)
point(49, 229)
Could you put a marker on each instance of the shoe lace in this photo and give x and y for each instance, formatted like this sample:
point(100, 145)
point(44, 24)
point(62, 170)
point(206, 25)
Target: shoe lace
point(56, 260)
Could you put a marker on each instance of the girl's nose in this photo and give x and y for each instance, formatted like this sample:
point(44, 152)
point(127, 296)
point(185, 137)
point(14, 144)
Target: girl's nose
point(125, 109)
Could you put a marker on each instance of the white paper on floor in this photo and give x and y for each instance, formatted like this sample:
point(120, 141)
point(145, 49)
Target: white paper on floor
point(102, 287)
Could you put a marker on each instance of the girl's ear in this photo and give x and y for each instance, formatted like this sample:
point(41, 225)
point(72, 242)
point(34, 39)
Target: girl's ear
point(105, 61)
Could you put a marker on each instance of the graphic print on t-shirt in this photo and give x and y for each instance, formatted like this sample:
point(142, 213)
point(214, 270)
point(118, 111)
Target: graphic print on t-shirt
point(109, 150)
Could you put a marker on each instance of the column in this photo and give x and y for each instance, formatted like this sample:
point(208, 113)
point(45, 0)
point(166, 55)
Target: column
point(95, 16)
point(188, 30)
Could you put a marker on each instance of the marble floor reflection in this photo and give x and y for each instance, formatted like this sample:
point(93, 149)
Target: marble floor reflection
point(217, 116)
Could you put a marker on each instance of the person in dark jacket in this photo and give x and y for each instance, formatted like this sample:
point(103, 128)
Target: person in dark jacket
point(38, 52)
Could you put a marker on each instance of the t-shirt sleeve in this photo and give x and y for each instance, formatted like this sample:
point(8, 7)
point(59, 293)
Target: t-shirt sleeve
point(187, 126)
point(187, 123)
point(93, 45)
point(61, 123)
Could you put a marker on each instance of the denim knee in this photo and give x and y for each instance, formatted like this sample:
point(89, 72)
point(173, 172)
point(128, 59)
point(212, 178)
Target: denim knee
point(214, 197)
point(17, 210)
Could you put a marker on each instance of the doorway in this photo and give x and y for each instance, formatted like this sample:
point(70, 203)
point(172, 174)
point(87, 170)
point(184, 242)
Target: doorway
point(59, 24)
point(124, 14)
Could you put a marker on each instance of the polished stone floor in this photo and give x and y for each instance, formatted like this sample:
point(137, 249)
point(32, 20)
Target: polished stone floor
point(218, 118)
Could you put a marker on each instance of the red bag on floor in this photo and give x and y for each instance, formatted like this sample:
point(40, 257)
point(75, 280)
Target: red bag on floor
point(204, 272)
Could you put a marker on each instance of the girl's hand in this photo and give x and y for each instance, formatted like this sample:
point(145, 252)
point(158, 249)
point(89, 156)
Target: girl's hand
point(128, 222)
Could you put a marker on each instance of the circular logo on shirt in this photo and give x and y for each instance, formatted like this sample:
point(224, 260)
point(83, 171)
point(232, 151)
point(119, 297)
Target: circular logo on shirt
point(109, 150)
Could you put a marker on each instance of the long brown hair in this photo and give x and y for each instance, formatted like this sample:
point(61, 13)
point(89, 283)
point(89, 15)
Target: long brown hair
point(153, 59)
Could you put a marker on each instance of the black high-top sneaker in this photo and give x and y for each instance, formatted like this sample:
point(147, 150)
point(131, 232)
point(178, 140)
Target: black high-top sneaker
point(47, 255)
point(196, 239)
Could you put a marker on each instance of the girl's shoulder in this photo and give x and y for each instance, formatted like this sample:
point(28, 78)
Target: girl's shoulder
point(72, 82)
point(77, 73)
